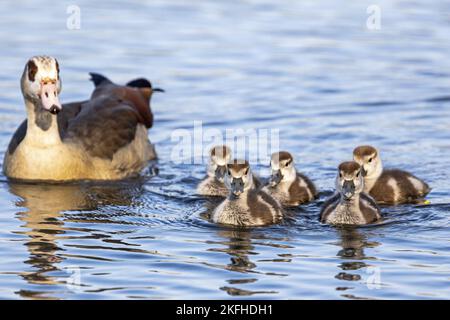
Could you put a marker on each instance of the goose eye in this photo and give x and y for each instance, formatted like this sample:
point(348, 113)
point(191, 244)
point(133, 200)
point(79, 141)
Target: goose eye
point(32, 70)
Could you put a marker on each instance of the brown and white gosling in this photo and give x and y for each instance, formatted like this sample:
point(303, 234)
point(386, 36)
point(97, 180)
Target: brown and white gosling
point(246, 205)
point(213, 184)
point(286, 185)
point(350, 205)
point(391, 186)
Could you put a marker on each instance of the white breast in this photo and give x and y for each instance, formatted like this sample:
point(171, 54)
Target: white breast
point(346, 214)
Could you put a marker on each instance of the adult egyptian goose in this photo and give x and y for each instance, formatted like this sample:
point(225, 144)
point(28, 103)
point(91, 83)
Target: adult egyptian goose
point(103, 138)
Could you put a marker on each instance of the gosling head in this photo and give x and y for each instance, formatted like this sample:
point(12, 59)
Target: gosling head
point(239, 178)
point(349, 181)
point(219, 157)
point(369, 160)
point(283, 169)
point(41, 84)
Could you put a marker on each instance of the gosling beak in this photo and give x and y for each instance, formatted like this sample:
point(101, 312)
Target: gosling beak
point(220, 172)
point(348, 189)
point(275, 178)
point(237, 186)
point(158, 90)
point(49, 98)
point(363, 171)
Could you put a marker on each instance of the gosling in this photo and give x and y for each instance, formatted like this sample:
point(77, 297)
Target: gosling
point(286, 185)
point(388, 186)
point(213, 184)
point(350, 205)
point(246, 205)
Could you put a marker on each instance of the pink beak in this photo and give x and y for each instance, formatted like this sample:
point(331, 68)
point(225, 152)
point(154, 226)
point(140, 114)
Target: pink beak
point(49, 98)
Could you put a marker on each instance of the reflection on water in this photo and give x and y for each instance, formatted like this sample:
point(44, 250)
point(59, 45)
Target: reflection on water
point(239, 247)
point(239, 244)
point(308, 68)
point(42, 225)
point(353, 244)
point(43, 221)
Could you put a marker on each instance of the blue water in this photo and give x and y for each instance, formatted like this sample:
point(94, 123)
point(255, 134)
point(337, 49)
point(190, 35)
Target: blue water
point(312, 70)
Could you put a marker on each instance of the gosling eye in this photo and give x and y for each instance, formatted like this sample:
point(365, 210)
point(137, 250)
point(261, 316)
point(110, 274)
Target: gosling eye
point(357, 174)
point(246, 171)
point(340, 175)
point(229, 172)
point(287, 163)
point(370, 160)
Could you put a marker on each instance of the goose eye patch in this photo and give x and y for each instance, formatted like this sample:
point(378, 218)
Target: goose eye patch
point(32, 70)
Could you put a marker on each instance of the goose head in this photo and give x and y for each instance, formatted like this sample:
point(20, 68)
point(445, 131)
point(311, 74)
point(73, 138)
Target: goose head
point(219, 156)
point(349, 180)
point(40, 83)
point(369, 159)
point(239, 178)
point(283, 169)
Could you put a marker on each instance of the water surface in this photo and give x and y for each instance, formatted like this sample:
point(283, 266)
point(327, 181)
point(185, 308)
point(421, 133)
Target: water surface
point(311, 69)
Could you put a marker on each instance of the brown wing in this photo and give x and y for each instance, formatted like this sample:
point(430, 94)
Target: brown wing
point(300, 193)
point(68, 112)
point(329, 205)
point(369, 208)
point(263, 209)
point(108, 121)
point(383, 192)
point(309, 183)
point(17, 137)
point(103, 126)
